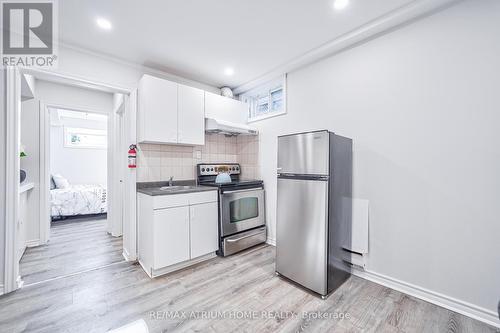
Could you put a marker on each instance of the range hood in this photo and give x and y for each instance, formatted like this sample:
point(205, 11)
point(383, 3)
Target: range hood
point(228, 128)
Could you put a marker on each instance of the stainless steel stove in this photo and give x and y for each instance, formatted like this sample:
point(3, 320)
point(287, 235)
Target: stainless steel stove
point(242, 222)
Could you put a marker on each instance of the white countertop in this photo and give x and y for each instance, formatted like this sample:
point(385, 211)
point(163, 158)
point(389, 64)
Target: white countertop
point(25, 187)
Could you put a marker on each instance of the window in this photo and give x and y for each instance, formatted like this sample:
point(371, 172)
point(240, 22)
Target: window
point(262, 105)
point(267, 100)
point(276, 97)
point(85, 138)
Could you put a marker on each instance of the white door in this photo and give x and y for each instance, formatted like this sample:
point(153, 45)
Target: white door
point(157, 110)
point(191, 115)
point(117, 159)
point(129, 181)
point(204, 229)
point(171, 236)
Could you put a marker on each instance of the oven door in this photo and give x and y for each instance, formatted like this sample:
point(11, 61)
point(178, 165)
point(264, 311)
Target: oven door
point(242, 210)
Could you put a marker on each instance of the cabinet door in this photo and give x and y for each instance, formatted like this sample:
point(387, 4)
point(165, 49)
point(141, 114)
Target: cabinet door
point(204, 229)
point(225, 108)
point(191, 116)
point(157, 112)
point(171, 236)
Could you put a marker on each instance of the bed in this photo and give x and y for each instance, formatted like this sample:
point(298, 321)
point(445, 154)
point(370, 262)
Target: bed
point(78, 200)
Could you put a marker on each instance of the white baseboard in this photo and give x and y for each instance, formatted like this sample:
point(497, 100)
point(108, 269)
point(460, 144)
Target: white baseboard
point(20, 282)
point(176, 267)
point(271, 241)
point(450, 303)
point(127, 256)
point(33, 243)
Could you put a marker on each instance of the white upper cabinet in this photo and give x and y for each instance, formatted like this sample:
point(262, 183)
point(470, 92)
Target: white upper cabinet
point(170, 113)
point(224, 108)
point(191, 115)
point(174, 113)
point(157, 110)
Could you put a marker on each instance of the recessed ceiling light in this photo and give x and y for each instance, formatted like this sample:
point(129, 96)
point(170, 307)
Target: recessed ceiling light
point(340, 4)
point(229, 71)
point(103, 23)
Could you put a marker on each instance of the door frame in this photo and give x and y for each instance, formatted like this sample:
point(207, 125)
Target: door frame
point(113, 195)
point(12, 279)
point(12, 89)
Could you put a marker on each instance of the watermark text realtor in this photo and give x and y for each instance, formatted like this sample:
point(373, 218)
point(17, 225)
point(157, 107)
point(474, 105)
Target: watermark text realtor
point(29, 33)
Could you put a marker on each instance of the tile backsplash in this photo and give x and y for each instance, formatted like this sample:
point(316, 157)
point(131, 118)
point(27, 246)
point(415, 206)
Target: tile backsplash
point(158, 162)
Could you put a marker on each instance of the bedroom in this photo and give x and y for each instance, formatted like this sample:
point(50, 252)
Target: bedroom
point(65, 135)
point(78, 166)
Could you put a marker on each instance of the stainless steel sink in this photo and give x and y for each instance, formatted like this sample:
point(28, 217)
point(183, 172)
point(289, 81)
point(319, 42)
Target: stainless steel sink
point(176, 188)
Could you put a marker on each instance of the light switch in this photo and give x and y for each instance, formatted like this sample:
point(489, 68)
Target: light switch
point(197, 154)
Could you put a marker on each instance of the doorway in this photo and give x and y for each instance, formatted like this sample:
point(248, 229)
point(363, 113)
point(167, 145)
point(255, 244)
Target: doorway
point(120, 180)
point(78, 226)
point(78, 199)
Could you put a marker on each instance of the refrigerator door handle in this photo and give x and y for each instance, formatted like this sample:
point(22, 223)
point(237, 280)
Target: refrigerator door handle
point(303, 177)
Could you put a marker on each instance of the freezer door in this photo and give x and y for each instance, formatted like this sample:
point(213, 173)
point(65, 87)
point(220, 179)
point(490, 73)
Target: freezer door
point(301, 244)
point(304, 154)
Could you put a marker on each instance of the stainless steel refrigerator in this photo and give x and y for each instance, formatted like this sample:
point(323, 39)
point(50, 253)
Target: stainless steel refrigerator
point(314, 209)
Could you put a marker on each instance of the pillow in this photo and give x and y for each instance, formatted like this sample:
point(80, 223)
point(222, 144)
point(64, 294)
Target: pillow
point(52, 183)
point(60, 181)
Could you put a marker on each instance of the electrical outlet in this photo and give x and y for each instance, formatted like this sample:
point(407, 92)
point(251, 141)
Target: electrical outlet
point(197, 154)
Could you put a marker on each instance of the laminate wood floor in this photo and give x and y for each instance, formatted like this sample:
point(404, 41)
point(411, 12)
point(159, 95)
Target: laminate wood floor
point(112, 296)
point(74, 246)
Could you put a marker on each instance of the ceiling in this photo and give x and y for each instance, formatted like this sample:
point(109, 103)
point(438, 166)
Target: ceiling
point(199, 39)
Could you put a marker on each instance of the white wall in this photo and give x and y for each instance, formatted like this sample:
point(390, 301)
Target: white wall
point(80, 98)
point(422, 107)
point(78, 165)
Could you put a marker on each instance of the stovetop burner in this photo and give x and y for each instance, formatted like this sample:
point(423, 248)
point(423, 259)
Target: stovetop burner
point(207, 173)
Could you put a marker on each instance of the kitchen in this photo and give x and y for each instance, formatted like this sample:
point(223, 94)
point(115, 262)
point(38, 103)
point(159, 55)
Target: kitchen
point(308, 173)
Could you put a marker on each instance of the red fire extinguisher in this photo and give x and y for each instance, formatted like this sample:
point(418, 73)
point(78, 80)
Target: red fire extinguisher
point(132, 157)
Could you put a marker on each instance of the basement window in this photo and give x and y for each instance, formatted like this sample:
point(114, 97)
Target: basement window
point(267, 100)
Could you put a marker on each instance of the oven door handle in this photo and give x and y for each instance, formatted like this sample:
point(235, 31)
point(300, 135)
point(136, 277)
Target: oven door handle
point(229, 240)
point(243, 191)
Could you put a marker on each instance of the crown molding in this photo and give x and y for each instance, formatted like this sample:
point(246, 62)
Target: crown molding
point(384, 24)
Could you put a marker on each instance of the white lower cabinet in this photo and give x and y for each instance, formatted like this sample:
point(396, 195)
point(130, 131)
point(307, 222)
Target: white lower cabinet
point(203, 220)
point(171, 236)
point(175, 231)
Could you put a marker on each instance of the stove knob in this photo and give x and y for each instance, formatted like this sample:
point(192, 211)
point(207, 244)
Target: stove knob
point(211, 169)
point(202, 169)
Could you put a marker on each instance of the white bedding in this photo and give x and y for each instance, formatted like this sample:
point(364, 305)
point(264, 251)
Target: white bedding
point(78, 200)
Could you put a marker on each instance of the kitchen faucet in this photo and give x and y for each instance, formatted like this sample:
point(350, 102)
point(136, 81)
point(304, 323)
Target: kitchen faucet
point(170, 181)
